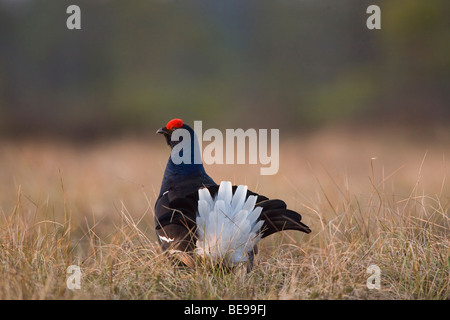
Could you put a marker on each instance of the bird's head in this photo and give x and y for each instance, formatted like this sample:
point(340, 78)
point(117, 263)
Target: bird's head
point(185, 156)
point(169, 129)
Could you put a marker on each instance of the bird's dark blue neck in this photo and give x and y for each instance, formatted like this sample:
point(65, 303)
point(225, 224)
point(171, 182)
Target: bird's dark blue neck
point(177, 175)
point(183, 168)
point(179, 169)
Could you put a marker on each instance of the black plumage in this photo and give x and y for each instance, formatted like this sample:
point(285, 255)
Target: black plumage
point(176, 208)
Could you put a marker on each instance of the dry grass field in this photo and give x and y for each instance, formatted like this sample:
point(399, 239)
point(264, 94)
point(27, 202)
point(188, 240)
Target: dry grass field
point(369, 198)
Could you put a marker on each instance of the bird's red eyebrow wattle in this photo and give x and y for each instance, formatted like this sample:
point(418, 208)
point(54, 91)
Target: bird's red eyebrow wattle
point(174, 123)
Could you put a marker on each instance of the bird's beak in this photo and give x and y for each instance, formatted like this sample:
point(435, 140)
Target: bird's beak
point(166, 133)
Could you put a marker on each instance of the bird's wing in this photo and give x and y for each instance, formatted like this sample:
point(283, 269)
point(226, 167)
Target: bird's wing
point(181, 211)
point(175, 223)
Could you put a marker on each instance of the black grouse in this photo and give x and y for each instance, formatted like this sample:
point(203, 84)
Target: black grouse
point(223, 222)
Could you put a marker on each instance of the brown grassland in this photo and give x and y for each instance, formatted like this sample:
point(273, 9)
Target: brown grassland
point(369, 198)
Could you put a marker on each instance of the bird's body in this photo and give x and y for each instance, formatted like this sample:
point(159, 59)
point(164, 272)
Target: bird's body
point(224, 223)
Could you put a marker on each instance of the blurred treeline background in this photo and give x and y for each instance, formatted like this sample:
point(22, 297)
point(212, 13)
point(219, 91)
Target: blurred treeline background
point(298, 65)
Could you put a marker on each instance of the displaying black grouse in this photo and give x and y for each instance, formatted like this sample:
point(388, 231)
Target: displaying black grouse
point(223, 222)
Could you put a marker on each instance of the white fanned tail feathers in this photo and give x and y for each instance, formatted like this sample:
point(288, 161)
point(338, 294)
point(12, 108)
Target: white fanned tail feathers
point(227, 226)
